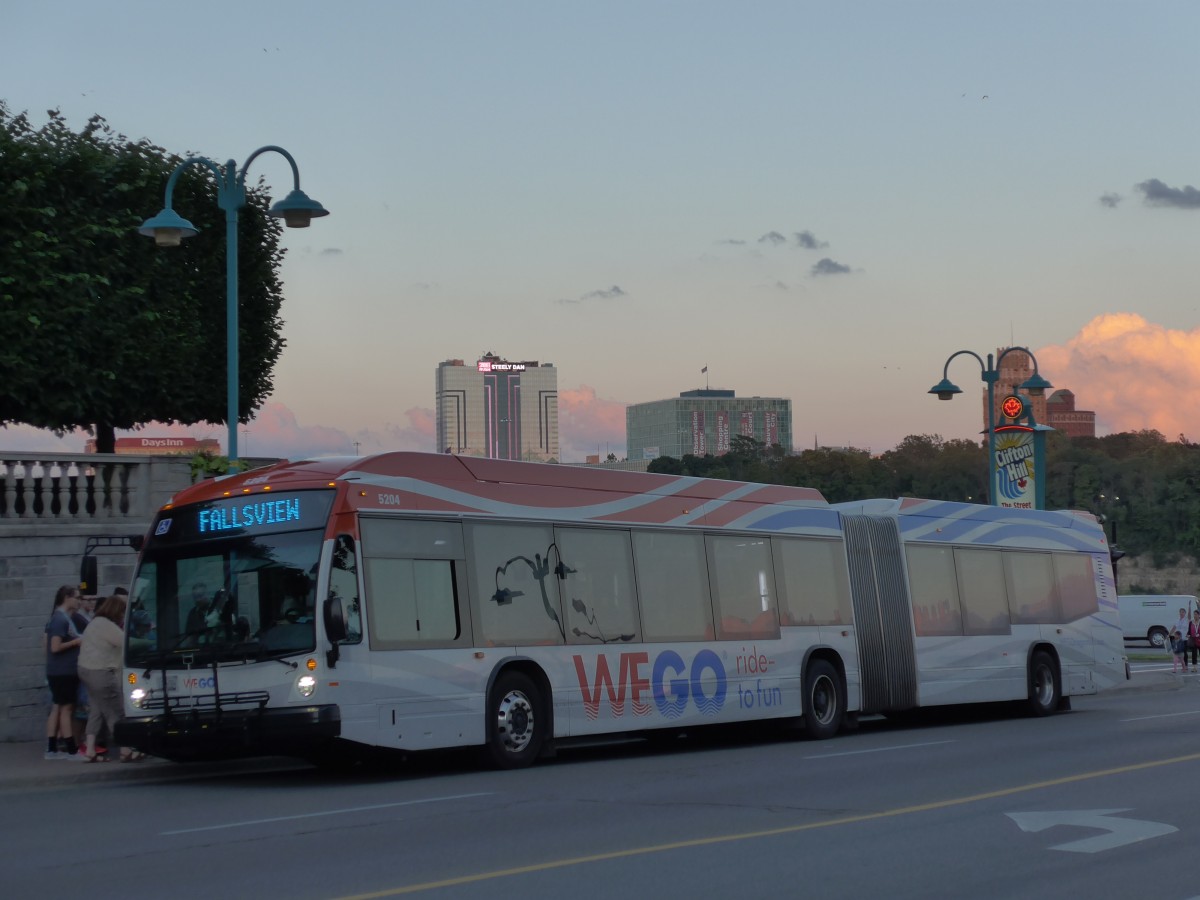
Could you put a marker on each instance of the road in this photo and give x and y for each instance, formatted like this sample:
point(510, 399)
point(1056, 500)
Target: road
point(986, 805)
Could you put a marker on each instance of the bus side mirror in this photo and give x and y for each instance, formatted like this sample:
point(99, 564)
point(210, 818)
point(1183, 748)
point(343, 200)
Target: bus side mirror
point(335, 619)
point(89, 575)
point(335, 627)
point(1114, 555)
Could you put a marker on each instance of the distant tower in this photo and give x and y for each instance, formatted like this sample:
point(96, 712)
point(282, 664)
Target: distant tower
point(498, 409)
point(1056, 409)
point(1015, 369)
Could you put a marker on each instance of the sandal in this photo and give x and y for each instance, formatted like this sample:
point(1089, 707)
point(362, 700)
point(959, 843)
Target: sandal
point(135, 756)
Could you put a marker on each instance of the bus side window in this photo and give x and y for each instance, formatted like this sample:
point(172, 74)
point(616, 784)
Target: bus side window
point(343, 582)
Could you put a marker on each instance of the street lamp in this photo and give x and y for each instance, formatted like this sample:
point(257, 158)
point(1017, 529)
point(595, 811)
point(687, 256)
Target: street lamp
point(945, 389)
point(168, 228)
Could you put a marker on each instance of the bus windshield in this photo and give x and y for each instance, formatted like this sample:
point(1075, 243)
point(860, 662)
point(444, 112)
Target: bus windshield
point(239, 598)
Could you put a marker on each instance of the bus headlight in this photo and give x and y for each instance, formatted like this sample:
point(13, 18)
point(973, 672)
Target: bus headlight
point(306, 684)
point(137, 697)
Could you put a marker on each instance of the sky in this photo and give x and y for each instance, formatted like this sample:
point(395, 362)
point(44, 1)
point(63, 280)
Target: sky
point(818, 201)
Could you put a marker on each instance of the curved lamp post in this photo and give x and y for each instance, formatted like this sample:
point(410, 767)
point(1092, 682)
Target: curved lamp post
point(945, 389)
point(168, 228)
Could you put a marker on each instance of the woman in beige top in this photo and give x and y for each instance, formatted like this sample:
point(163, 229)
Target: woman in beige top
point(100, 670)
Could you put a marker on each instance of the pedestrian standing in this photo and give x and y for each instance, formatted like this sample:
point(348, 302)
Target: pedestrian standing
point(62, 655)
point(1181, 633)
point(100, 670)
point(82, 617)
point(1194, 640)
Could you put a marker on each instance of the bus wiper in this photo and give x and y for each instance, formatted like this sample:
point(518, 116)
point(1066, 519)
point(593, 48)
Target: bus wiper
point(265, 655)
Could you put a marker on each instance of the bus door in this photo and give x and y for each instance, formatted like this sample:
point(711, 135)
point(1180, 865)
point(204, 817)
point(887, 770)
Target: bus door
point(882, 621)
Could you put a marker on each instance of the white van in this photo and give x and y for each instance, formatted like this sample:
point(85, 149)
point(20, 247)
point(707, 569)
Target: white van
point(1150, 617)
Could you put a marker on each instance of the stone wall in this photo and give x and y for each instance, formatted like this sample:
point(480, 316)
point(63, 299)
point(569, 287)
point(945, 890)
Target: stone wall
point(50, 506)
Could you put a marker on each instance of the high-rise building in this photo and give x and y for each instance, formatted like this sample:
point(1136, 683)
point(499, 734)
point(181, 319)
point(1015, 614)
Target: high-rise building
point(497, 408)
point(704, 422)
point(1056, 410)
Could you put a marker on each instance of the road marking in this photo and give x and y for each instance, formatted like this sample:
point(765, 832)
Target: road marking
point(328, 812)
point(771, 832)
point(1121, 831)
point(879, 749)
point(1190, 712)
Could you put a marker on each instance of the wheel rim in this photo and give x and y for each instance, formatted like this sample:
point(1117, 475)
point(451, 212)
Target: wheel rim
point(823, 697)
point(1158, 640)
point(1043, 686)
point(515, 721)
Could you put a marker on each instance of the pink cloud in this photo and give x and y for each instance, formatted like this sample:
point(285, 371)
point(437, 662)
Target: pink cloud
point(273, 432)
point(1133, 373)
point(588, 424)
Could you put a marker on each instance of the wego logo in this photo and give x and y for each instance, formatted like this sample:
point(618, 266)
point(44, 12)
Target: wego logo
point(672, 683)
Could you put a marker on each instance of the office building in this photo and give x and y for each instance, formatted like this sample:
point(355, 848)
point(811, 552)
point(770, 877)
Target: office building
point(703, 422)
point(498, 409)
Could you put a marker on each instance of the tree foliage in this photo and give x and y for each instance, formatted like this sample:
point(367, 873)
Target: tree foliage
point(102, 329)
point(1146, 489)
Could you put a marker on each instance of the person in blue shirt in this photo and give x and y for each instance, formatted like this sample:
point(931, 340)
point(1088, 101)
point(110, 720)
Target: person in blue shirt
point(62, 655)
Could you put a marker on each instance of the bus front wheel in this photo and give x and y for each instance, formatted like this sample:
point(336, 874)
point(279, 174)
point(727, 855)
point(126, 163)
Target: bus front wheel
point(824, 700)
point(516, 725)
point(1045, 688)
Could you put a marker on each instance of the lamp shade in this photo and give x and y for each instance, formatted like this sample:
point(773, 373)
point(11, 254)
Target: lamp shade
point(298, 210)
point(168, 228)
point(1036, 385)
point(945, 389)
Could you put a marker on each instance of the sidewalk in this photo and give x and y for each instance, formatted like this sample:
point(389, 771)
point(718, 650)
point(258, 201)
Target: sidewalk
point(22, 766)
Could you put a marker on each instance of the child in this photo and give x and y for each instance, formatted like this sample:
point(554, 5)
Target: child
point(1179, 648)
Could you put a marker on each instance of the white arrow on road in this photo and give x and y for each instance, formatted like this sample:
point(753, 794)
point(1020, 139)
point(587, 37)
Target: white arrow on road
point(1120, 831)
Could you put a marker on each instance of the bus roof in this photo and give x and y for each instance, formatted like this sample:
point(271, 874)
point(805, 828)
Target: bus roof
point(663, 497)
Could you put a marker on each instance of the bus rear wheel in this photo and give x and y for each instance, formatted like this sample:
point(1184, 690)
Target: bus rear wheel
point(516, 725)
point(824, 700)
point(1045, 688)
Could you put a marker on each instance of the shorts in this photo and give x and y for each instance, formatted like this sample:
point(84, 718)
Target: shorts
point(63, 689)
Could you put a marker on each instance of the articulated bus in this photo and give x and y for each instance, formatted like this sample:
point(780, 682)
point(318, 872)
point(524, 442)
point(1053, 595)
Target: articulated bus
point(422, 601)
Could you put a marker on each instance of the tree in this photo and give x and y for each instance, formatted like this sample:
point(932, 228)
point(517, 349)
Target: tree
point(103, 330)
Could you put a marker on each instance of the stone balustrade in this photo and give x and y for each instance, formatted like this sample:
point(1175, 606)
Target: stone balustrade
point(80, 488)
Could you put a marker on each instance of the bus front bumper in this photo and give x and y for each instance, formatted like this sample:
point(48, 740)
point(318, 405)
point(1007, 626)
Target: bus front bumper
point(230, 734)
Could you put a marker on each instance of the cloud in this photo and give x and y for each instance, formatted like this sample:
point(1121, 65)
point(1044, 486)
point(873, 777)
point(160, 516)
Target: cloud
point(418, 434)
point(27, 439)
point(1110, 200)
point(1135, 374)
point(732, 241)
point(588, 424)
point(827, 266)
point(772, 237)
point(332, 251)
point(612, 293)
point(273, 432)
point(808, 241)
point(1158, 194)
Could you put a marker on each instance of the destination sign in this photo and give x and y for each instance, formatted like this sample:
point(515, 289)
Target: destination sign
point(233, 516)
